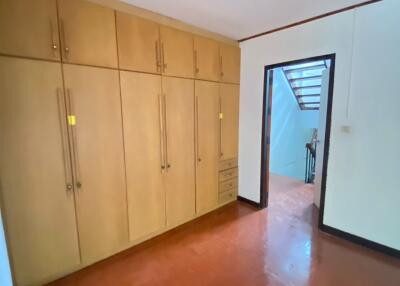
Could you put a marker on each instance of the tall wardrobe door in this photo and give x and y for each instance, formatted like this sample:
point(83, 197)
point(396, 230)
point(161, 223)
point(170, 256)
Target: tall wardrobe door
point(39, 210)
point(176, 52)
point(180, 177)
point(29, 28)
point(144, 152)
point(98, 148)
point(138, 44)
point(207, 145)
point(88, 34)
point(229, 94)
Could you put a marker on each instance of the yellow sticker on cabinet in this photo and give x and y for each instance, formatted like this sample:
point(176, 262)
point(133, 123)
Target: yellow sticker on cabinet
point(221, 116)
point(72, 120)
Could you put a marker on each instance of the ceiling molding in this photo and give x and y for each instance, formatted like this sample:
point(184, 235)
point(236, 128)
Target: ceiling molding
point(310, 20)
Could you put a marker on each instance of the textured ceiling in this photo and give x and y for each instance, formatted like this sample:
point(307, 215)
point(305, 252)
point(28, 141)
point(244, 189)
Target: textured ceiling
point(241, 18)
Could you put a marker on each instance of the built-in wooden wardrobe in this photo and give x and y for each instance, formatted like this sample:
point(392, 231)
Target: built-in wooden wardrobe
point(113, 129)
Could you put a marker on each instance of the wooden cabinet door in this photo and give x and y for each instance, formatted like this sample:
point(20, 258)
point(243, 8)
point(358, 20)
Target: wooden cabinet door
point(39, 210)
point(229, 96)
point(207, 144)
point(207, 62)
point(138, 44)
point(99, 160)
point(88, 33)
point(230, 63)
point(29, 28)
point(144, 153)
point(176, 52)
point(180, 157)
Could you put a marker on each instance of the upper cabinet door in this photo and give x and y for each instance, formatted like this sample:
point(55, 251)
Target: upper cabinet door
point(144, 152)
point(94, 98)
point(138, 44)
point(176, 52)
point(206, 56)
point(180, 157)
point(230, 63)
point(29, 28)
point(88, 33)
point(207, 144)
point(229, 96)
point(38, 207)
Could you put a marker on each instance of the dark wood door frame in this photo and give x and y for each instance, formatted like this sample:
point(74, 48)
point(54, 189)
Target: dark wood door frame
point(266, 128)
point(266, 135)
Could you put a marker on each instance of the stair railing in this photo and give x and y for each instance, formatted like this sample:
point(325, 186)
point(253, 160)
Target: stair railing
point(310, 163)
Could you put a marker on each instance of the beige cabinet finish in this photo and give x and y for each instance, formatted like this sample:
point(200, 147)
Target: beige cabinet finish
point(207, 145)
point(144, 153)
point(118, 132)
point(206, 57)
point(230, 63)
point(99, 160)
point(180, 157)
point(176, 52)
point(29, 28)
point(138, 44)
point(88, 34)
point(229, 97)
point(39, 210)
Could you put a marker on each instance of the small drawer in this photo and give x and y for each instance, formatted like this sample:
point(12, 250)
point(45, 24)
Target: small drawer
point(227, 196)
point(227, 185)
point(228, 164)
point(228, 174)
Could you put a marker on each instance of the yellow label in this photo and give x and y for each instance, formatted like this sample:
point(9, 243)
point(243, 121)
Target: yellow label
point(221, 116)
point(72, 120)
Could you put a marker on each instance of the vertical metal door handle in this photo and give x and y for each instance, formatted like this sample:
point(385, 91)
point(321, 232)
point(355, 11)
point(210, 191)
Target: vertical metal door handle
point(54, 45)
point(196, 69)
point(64, 139)
point(165, 131)
point(196, 110)
point(158, 62)
point(163, 64)
point(221, 66)
point(161, 114)
point(220, 127)
point(63, 39)
point(74, 144)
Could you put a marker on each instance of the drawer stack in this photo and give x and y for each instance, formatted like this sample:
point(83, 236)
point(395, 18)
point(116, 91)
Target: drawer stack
point(228, 181)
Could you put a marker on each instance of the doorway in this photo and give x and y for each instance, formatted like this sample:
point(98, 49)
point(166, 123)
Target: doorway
point(311, 82)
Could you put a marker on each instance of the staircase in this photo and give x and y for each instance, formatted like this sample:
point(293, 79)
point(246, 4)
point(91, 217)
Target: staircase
point(305, 81)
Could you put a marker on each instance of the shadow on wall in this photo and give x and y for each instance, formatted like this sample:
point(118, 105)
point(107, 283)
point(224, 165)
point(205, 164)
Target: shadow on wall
point(5, 274)
point(291, 129)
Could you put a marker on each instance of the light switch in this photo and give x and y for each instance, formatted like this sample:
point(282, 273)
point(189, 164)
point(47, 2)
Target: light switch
point(345, 128)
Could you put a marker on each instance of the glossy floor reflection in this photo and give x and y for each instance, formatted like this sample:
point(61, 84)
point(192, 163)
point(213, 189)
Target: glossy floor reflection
point(239, 245)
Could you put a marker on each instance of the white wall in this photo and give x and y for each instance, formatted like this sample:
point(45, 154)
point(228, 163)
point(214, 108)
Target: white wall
point(362, 195)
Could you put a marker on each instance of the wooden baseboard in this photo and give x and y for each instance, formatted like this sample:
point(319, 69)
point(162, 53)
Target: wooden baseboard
point(361, 241)
point(250, 202)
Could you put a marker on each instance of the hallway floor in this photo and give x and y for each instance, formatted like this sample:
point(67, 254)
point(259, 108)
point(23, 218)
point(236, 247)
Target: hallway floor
point(239, 245)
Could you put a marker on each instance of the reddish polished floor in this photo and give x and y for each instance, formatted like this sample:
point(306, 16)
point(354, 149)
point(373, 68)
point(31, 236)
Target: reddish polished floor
point(238, 245)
